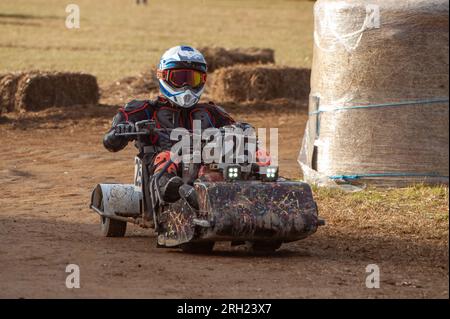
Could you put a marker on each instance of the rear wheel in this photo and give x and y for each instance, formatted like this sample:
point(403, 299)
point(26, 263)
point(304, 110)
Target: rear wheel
point(262, 247)
point(113, 227)
point(203, 247)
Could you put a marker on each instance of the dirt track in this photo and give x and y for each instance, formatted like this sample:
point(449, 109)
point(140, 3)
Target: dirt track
point(51, 160)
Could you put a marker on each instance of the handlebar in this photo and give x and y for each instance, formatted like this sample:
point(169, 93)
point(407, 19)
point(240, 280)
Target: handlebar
point(147, 127)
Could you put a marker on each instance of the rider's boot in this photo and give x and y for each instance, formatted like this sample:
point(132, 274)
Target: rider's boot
point(188, 193)
point(168, 186)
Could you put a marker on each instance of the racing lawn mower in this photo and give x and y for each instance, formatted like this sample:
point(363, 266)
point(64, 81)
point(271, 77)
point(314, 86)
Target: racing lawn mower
point(242, 203)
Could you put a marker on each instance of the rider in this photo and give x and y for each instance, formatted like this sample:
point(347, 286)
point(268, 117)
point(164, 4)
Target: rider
point(182, 76)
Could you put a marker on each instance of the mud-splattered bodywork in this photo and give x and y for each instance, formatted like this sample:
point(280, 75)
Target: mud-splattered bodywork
point(244, 210)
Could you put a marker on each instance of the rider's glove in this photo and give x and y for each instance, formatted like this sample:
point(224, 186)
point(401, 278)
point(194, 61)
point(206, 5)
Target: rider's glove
point(243, 125)
point(124, 128)
point(239, 125)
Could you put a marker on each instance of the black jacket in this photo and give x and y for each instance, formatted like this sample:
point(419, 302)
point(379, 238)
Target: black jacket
point(166, 116)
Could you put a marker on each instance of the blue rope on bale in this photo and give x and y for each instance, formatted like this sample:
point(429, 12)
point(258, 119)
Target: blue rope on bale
point(351, 177)
point(358, 176)
point(395, 104)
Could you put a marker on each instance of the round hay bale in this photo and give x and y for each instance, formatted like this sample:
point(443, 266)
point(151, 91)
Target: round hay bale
point(259, 83)
point(40, 90)
point(220, 57)
point(379, 93)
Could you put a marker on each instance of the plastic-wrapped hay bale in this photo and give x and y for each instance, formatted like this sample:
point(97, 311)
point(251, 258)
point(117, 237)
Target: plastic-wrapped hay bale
point(379, 93)
point(259, 83)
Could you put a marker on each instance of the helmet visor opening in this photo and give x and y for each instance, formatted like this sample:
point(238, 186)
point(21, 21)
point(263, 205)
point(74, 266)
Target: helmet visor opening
point(182, 77)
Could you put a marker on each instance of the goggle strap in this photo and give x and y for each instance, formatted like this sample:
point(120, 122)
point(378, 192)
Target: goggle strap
point(161, 74)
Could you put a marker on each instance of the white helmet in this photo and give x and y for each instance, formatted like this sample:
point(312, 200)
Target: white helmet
point(182, 75)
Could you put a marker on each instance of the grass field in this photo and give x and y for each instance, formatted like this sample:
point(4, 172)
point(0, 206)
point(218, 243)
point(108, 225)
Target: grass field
point(118, 38)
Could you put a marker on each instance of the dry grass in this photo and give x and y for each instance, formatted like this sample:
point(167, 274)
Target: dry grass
point(118, 38)
point(418, 212)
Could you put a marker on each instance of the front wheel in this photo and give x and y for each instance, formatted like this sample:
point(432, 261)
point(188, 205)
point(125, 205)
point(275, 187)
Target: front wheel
point(203, 247)
point(113, 227)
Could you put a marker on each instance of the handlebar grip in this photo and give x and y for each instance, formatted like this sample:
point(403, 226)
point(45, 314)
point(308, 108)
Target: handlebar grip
point(131, 134)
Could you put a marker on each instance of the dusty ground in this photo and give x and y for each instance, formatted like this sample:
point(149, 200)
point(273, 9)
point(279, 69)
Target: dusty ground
point(50, 161)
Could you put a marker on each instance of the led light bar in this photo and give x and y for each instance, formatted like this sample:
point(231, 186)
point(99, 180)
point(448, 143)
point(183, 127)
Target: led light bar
point(232, 172)
point(268, 174)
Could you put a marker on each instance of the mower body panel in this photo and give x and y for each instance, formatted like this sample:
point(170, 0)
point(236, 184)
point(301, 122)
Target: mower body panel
point(243, 210)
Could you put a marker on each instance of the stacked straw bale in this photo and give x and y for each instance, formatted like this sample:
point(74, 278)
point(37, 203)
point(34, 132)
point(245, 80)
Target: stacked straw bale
point(217, 57)
point(259, 83)
point(34, 91)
